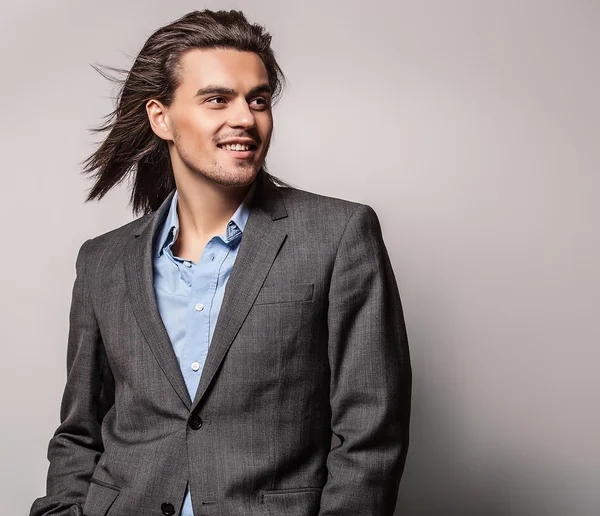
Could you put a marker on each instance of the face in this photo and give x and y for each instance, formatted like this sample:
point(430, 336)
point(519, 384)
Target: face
point(219, 123)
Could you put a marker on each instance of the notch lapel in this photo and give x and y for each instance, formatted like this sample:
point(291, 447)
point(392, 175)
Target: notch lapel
point(261, 240)
point(139, 274)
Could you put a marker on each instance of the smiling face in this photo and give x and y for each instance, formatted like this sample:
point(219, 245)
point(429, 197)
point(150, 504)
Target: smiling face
point(220, 122)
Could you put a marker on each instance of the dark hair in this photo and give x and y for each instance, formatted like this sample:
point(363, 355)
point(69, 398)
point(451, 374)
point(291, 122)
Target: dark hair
point(131, 147)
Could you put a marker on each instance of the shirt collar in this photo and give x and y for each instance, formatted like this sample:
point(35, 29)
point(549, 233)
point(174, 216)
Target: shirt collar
point(233, 230)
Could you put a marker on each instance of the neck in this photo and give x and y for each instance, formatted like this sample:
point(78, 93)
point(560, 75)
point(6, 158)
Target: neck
point(204, 208)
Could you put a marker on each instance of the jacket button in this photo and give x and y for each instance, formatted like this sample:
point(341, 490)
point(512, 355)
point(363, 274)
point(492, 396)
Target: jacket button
point(195, 422)
point(167, 509)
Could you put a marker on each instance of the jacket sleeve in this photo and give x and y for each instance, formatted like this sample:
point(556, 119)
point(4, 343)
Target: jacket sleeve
point(371, 375)
point(89, 393)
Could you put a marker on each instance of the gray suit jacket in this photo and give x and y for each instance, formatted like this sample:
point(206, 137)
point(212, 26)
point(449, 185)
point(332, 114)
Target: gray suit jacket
point(310, 340)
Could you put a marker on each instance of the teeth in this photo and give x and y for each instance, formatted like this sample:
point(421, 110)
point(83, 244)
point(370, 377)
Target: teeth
point(236, 147)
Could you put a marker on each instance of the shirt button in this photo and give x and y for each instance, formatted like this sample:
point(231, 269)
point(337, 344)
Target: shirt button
point(195, 366)
point(187, 264)
point(199, 307)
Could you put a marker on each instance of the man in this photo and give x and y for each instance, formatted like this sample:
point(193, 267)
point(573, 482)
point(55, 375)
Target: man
point(219, 341)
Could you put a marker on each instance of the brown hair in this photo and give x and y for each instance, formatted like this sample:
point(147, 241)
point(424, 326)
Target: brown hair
point(131, 147)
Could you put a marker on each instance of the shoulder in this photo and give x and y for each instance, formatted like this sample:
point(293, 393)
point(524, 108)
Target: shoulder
point(306, 207)
point(115, 239)
point(310, 204)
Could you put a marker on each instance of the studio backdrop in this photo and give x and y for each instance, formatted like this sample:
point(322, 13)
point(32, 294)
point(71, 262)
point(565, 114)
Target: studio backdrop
point(471, 127)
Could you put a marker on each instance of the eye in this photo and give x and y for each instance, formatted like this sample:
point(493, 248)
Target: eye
point(260, 102)
point(213, 99)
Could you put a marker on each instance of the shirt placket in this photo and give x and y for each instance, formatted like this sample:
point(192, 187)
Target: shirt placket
point(205, 280)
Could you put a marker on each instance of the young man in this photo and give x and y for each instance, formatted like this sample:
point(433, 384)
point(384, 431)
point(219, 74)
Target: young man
point(217, 342)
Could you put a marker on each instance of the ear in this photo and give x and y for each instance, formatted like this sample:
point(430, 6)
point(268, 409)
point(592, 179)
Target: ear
point(158, 115)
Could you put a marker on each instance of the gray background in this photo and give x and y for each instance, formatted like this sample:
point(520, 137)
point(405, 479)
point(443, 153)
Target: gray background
point(470, 127)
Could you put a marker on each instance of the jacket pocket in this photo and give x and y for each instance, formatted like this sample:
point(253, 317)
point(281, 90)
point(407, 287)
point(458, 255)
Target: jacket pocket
point(285, 293)
point(100, 498)
point(303, 501)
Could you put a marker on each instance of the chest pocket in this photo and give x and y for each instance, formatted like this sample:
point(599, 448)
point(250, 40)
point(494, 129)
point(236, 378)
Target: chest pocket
point(290, 293)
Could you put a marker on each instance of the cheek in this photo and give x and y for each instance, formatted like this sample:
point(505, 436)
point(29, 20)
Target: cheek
point(265, 127)
point(195, 131)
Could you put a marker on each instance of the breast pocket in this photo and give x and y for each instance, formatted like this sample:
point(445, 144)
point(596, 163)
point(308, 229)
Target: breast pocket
point(291, 293)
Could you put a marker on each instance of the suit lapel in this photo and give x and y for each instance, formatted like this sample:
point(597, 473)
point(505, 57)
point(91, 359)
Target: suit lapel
point(139, 275)
point(259, 246)
point(261, 241)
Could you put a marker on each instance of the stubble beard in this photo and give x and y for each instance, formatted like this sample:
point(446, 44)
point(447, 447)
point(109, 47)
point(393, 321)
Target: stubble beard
point(242, 174)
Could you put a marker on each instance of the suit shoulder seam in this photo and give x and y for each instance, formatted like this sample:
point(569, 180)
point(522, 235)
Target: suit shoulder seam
point(339, 244)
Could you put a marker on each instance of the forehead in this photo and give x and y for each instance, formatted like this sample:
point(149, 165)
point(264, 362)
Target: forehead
point(223, 67)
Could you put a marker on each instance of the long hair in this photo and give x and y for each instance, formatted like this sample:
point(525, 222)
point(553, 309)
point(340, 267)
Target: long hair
point(131, 148)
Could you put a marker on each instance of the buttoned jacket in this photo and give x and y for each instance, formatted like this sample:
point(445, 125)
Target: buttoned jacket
point(310, 342)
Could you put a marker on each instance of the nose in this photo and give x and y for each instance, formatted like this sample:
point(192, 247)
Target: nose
point(241, 115)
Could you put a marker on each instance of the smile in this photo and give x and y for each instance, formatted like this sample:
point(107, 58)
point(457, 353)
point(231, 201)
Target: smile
point(236, 146)
point(238, 150)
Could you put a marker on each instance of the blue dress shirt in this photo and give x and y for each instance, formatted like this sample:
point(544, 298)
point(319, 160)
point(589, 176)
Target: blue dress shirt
point(189, 295)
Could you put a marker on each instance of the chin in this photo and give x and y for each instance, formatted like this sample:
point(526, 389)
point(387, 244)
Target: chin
point(237, 177)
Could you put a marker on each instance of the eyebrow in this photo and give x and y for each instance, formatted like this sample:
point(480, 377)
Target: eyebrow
point(213, 89)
